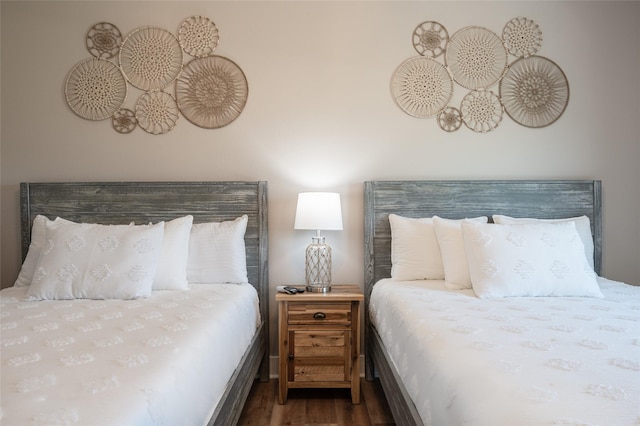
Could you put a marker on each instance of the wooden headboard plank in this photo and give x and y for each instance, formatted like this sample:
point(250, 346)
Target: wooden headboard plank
point(545, 199)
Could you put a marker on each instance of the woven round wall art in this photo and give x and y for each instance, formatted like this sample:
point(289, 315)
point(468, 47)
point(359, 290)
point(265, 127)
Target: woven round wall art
point(476, 57)
point(535, 91)
point(151, 58)
point(450, 119)
point(481, 110)
point(124, 121)
point(211, 92)
point(430, 39)
point(198, 36)
point(103, 40)
point(522, 37)
point(157, 112)
point(421, 87)
point(95, 89)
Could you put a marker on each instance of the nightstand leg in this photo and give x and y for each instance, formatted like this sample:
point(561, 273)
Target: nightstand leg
point(355, 391)
point(283, 352)
point(355, 354)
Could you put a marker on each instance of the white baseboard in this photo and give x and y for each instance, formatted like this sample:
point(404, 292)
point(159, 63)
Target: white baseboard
point(273, 366)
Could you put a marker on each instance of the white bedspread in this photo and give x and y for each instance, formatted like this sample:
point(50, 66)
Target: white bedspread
point(514, 361)
point(161, 360)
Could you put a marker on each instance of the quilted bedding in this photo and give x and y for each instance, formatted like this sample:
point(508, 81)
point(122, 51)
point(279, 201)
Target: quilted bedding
point(513, 361)
point(161, 360)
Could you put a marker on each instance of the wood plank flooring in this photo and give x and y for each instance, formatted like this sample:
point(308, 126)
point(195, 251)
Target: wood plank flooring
point(306, 407)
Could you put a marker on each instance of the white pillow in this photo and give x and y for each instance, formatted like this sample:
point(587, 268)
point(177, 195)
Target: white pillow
point(38, 239)
point(454, 259)
point(217, 252)
point(89, 261)
point(172, 267)
point(540, 259)
point(38, 236)
point(583, 226)
point(415, 254)
point(171, 273)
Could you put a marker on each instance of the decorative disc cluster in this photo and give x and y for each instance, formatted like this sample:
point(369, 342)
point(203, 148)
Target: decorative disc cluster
point(209, 90)
point(532, 89)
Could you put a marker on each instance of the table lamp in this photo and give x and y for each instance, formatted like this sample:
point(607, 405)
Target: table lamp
point(319, 211)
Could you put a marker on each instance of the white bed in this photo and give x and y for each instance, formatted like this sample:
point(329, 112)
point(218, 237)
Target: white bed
point(158, 360)
point(176, 340)
point(506, 323)
point(513, 361)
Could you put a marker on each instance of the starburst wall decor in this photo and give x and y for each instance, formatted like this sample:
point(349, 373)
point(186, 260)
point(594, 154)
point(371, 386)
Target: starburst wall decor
point(209, 90)
point(532, 90)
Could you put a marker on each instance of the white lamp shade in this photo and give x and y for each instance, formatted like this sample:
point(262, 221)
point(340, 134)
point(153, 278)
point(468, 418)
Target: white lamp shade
point(319, 211)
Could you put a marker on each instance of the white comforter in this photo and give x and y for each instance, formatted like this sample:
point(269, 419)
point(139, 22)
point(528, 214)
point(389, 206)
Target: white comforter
point(161, 360)
point(514, 361)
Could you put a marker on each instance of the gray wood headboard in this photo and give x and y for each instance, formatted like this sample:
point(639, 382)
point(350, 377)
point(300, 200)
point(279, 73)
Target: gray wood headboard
point(144, 202)
point(545, 199)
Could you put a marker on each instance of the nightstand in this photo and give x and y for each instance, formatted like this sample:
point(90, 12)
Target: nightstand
point(319, 340)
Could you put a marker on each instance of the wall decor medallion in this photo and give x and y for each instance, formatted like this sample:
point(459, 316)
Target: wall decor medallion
point(421, 87)
point(95, 89)
point(532, 90)
point(211, 91)
point(430, 39)
point(450, 119)
point(151, 58)
point(535, 91)
point(522, 37)
point(124, 120)
point(481, 110)
point(103, 40)
point(476, 57)
point(198, 36)
point(157, 112)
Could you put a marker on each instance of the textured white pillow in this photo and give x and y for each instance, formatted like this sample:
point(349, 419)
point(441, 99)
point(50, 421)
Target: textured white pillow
point(172, 267)
point(454, 259)
point(583, 226)
point(38, 236)
point(217, 252)
point(89, 261)
point(542, 259)
point(415, 254)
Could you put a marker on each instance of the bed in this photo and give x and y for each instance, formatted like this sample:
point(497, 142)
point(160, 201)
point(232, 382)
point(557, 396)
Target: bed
point(446, 355)
point(179, 349)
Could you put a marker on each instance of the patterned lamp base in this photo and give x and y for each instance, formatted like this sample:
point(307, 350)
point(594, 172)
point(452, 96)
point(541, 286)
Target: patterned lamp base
point(318, 266)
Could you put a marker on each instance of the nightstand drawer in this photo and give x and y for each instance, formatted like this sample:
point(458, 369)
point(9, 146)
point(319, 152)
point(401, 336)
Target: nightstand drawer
point(319, 344)
point(319, 356)
point(319, 373)
point(319, 313)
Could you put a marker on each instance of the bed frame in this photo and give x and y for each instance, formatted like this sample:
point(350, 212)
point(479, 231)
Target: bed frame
point(144, 202)
point(544, 199)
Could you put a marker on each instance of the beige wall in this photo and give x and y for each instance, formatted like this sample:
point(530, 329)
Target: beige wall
point(320, 115)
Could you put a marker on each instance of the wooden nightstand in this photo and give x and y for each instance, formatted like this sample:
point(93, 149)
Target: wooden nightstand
point(319, 340)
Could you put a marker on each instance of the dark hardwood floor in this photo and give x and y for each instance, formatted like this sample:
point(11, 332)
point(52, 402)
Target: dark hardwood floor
point(316, 406)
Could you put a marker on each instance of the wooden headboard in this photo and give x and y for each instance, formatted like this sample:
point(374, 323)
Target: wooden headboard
point(544, 199)
point(144, 202)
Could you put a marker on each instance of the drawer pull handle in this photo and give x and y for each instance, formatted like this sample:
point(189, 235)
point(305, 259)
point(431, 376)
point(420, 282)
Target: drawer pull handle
point(319, 315)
